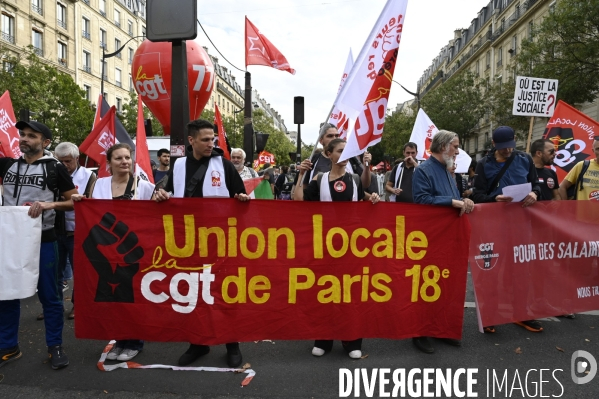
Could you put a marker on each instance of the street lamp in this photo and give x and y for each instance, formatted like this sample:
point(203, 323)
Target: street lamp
point(109, 55)
point(412, 93)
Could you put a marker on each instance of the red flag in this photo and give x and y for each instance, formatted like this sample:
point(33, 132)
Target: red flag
point(222, 135)
point(264, 158)
point(573, 132)
point(98, 115)
point(143, 168)
point(101, 138)
point(260, 51)
point(9, 134)
point(251, 184)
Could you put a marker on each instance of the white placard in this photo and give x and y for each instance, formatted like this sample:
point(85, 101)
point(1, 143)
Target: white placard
point(20, 240)
point(535, 97)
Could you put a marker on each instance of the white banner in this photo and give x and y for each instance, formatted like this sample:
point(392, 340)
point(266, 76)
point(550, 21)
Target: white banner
point(337, 117)
point(363, 97)
point(535, 97)
point(19, 252)
point(422, 134)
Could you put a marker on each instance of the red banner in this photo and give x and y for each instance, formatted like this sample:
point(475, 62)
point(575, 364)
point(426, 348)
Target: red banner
point(535, 262)
point(236, 271)
point(222, 134)
point(9, 134)
point(101, 138)
point(573, 133)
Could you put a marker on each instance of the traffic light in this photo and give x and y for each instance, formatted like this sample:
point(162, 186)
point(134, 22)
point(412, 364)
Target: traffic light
point(261, 139)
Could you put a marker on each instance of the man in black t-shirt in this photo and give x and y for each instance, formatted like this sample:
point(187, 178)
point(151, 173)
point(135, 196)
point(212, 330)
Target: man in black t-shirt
point(400, 186)
point(543, 153)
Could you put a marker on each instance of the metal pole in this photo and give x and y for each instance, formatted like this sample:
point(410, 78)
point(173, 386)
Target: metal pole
point(298, 155)
point(248, 128)
point(179, 98)
point(102, 82)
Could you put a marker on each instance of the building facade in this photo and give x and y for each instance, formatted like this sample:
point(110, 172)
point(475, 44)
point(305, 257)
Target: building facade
point(487, 48)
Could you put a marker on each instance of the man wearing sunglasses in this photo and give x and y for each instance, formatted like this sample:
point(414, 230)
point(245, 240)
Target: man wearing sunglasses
point(589, 186)
point(543, 153)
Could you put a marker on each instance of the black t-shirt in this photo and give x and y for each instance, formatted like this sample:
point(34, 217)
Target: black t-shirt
point(342, 189)
point(548, 182)
point(232, 179)
point(406, 183)
point(321, 164)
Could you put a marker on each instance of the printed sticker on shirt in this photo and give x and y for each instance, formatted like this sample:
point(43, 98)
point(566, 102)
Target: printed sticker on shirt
point(541, 180)
point(550, 182)
point(339, 186)
point(215, 179)
point(594, 195)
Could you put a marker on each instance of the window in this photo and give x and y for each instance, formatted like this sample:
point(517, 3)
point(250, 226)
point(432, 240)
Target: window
point(502, 25)
point(105, 95)
point(7, 66)
point(117, 45)
point(488, 59)
point(102, 7)
point(87, 62)
point(61, 15)
point(103, 38)
point(8, 28)
point(531, 26)
point(130, 56)
point(62, 54)
point(514, 46)
point(143, 31)
point(36, 6)
point(37, 39)
point(86, 29)
point(477, 68)
point(117, 77)
point(119, 105)
point(130, 83)
point(104, 66)
point(117, 17)
point(88, 92)
point(500, 56)
point(130, 27)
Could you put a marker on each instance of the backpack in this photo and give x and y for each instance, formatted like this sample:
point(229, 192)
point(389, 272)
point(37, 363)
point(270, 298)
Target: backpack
point(572, 191)
point(52, 176)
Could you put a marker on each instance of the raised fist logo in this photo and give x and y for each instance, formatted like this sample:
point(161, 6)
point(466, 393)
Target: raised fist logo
point(116, 271)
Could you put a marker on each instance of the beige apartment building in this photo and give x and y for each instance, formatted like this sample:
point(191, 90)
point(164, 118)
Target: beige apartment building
point(487, 49)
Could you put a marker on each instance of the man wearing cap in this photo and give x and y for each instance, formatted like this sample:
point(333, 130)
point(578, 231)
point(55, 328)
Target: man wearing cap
point(37, 180)
point(505, 166)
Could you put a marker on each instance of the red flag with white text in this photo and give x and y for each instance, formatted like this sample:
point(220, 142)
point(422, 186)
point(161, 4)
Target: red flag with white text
point(143, 168)
point(101, 138)
point(337, 117)
point(260, 51)
point(364, 95)
point(573, 133)
point(222, 134)
point(9, 134)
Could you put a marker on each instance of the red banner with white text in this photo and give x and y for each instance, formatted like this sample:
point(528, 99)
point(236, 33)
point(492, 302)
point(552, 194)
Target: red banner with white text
point(212, 271)
point(535, 262)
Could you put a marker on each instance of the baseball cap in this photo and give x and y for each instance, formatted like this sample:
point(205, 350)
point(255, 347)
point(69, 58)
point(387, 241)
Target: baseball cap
point(503, 137)
point(36, 127)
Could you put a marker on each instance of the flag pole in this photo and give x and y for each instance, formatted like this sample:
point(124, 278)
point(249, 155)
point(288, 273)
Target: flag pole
point(532, 122)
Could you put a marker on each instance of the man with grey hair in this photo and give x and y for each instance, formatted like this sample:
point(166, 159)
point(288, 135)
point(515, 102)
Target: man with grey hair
point(238, 160)
point(83, 179)
point(432, 184)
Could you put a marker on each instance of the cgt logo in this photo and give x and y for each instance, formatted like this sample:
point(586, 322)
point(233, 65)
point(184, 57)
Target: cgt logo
point(486, 259)
point(583, 363)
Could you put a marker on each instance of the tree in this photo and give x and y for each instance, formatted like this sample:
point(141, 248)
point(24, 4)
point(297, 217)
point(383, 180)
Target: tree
point(52, 97)
point(499, 99)
point(565, 46)
point(129, 117)
point(456, 105)
point(397, 131)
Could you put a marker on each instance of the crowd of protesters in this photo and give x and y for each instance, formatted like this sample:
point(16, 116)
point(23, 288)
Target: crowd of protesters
point(321, 178)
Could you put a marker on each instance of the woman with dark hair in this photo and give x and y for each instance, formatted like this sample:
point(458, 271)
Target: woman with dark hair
point(336, 185)
point(121, 185)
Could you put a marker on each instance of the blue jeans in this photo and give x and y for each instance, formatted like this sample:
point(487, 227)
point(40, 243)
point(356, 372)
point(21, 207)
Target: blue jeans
point(49, 294)
point(66, 246)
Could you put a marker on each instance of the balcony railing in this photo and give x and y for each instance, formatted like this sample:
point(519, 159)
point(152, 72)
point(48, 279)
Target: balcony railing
point(119, 84)
point(103, 44)
point(103, 13)
point(37, 9)
point(87, 68)
point(117, 23)
point(61, 23)
point(9, 38)
point(130, 32)
point(499, 63)
point(38, 51)
point(86, 2)
point(130, 61)
point(118, 56)
point(62, 61)
point(105, 77)
point(86, 35)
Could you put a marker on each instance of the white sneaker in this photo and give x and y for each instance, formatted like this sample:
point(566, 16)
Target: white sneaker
point(127, 354)
point(317, 351)
point(114, 353)
point(355, 354)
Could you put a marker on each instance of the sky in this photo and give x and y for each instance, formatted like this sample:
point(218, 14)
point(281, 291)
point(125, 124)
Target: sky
point(315, 37)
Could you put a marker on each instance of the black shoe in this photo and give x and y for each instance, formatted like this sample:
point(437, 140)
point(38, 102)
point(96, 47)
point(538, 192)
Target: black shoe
point(423, 344)
point(451, 341)
point(58, 359)
point(8, 355)
point(194, 352)
point(234, 358)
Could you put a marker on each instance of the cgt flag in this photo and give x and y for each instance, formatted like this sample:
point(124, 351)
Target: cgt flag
point(120, 132)
point(9, 134)
point(100, 140)
point(260, 51)
point(143, 168)
point(363, 97)
point(573, 133)
point(337, 117)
